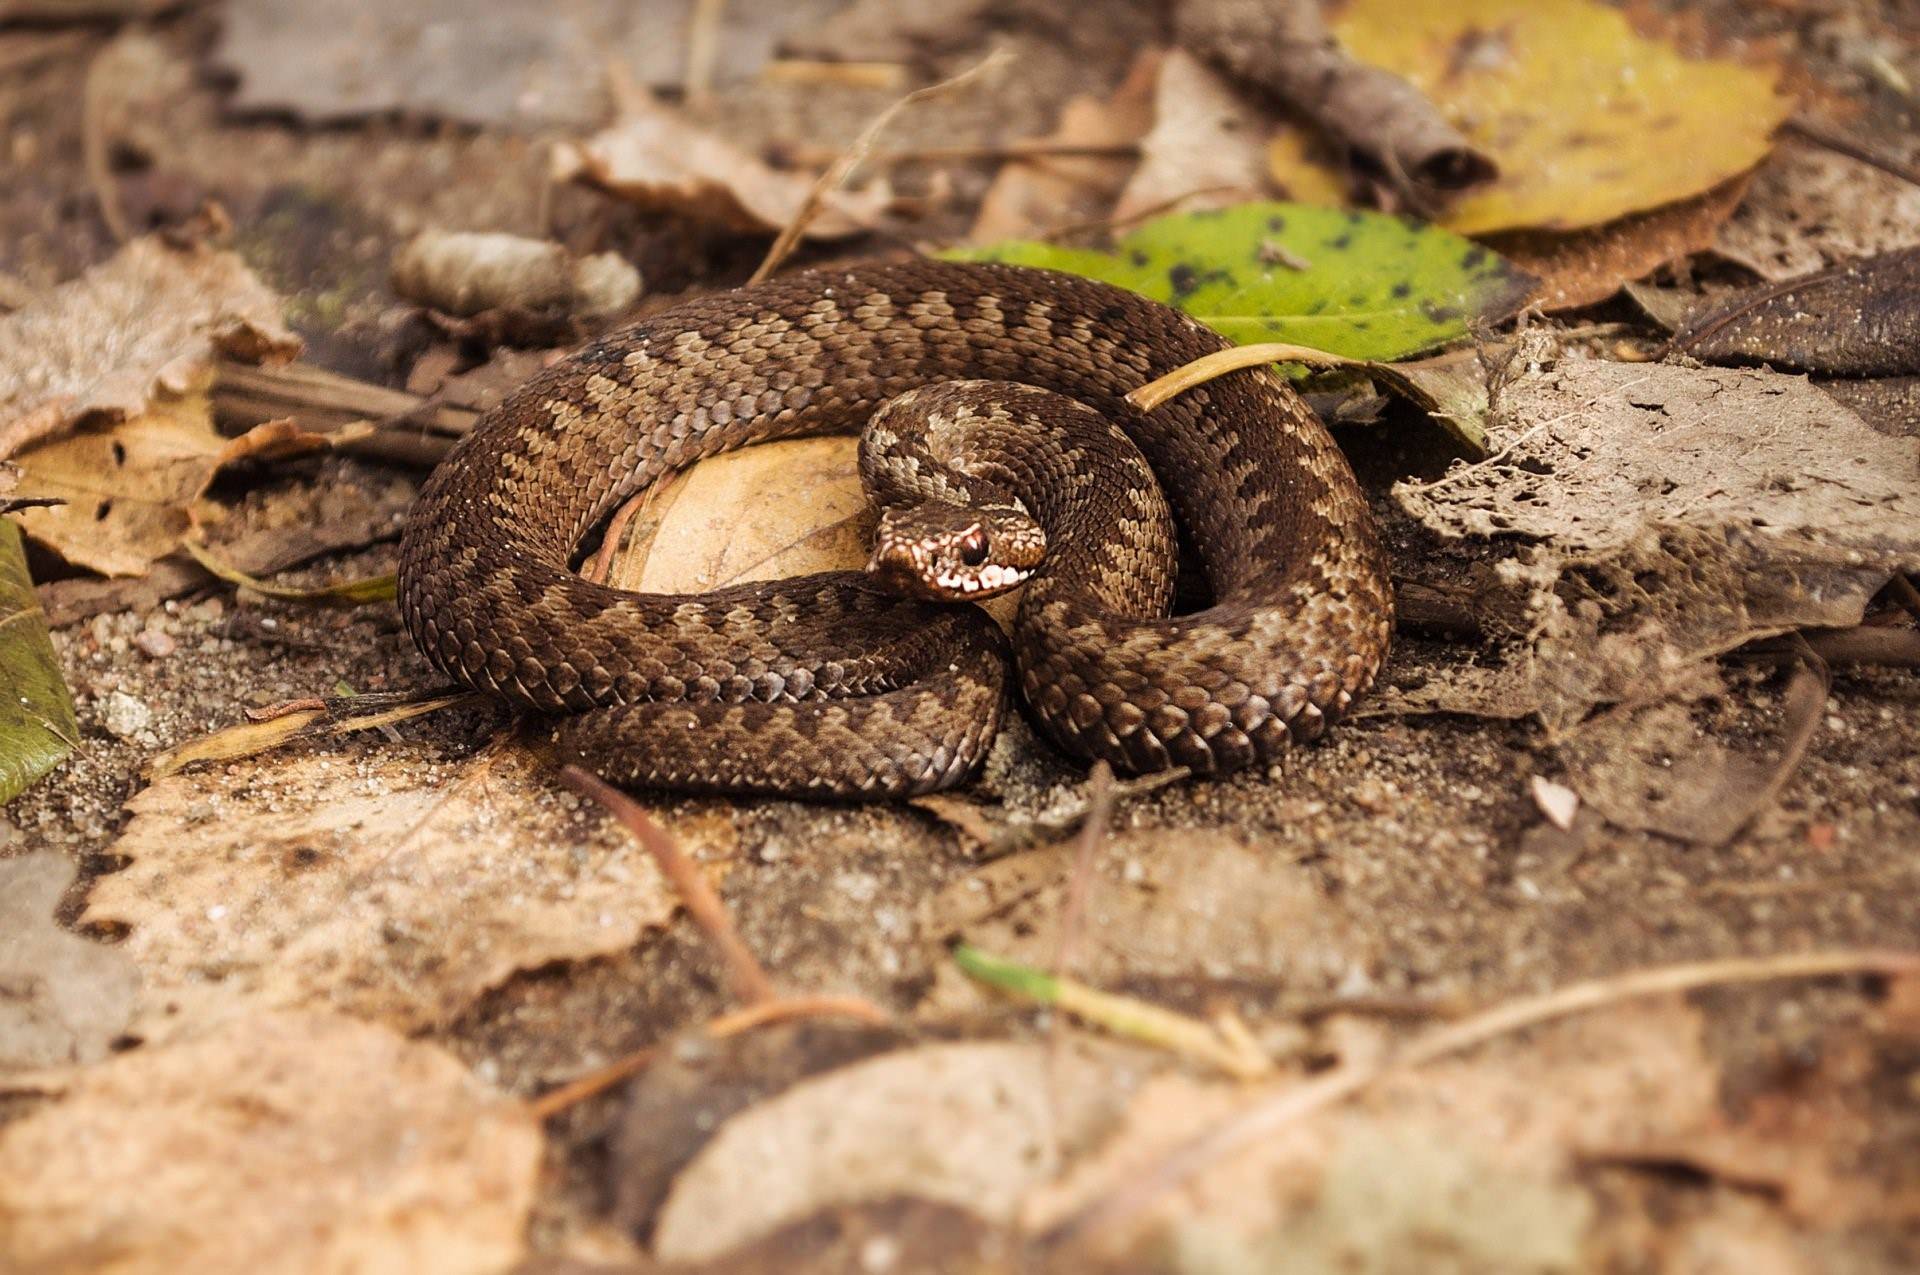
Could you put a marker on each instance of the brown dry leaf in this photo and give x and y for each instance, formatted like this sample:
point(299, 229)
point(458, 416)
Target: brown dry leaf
point(130, 486)
point(1464, 1163)
point(658, 160)
point(377, 878)
point(780, 509)
point(1208, 141)
point(1859, 319)
point(1810, 208)
point(963, 1124)
point(1670, 514)
point(280, 1143)
point(1581, 267)
point(1652, 767)
point(63, 999)
point(152, 317)
point(1030, 197)
point(524, 65)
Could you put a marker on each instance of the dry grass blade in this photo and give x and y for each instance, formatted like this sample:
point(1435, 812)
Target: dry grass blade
point(1213, 366)
point(1128, 1204)
point(750, 981)
point(842, 168)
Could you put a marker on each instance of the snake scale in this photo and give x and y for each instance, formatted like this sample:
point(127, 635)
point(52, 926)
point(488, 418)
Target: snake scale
point(835, 686)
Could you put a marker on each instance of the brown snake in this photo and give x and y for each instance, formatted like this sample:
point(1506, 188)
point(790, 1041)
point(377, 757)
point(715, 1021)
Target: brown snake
point(833, 685)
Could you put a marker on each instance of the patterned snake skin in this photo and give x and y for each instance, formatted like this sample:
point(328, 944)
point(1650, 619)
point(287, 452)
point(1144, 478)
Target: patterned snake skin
point(833, 686)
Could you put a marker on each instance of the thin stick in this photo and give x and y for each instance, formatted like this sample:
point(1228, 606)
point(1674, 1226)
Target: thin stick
point(1025, 148)
point(1092, 832)
point(1072, 919)
point(602, 565)
point(703, 49)
point(93, 147)
point(842, 168)
point(1221, 362)
point(601, 1079)
point(1264, 1118)
point(1841, 144)
point(750, 982)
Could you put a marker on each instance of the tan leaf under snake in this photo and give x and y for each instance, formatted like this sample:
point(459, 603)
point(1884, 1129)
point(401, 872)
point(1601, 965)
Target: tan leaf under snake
point(835, 686)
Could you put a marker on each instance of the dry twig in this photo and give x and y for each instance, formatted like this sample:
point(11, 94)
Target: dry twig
point(842, 168)
point(1128, 1204)
point(750, 981)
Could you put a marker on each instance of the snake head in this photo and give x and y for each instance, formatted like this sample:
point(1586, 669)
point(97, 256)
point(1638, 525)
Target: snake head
point(955, 553)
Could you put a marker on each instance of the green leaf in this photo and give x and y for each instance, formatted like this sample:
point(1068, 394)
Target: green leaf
point(37, 727)
point(1365, 285)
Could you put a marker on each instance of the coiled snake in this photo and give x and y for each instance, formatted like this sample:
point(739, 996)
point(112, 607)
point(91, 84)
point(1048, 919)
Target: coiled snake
point(834, 685)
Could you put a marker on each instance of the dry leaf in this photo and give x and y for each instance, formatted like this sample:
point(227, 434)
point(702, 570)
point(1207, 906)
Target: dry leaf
point(129, 485)
point(63, 999)
point(1581, 267)
point(151, 317)
point(372, 877)
point(283, 1143)
point(1671, 514)
point(1513, 1118)
point(1811, 208)
point(1587, 119)
point(658, 160)
point(963, 1124)
point(779, 509)
point(1208, 141)
point(1859, 319)
point(1030, 197)
point(520, 65)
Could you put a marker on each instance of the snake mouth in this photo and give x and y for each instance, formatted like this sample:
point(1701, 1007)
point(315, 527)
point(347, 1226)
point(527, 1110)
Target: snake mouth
point(955, 583)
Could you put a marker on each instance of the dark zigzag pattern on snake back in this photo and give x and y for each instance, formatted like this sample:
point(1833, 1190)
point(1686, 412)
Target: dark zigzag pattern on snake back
point(824, 686)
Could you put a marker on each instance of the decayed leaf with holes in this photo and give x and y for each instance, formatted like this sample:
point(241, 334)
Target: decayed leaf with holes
point(375, 877)
point(128, 486)
point(63, 999)
point(277, 1143)
point(1588, 119)
point(150, 318)
point(37, 727)
point(1363, 285)
point(1668, 514)
point(660, 161)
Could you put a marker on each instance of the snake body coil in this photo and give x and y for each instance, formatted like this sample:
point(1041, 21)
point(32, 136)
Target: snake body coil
point(832, 686)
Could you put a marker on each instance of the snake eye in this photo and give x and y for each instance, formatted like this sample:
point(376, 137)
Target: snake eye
point(973, 547)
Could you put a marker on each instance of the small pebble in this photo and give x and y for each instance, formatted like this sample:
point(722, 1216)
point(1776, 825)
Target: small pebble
point(155, 643)
point(125, 716)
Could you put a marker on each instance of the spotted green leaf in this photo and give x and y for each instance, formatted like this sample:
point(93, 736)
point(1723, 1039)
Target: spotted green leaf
point(1365, 285)
point(37, 728)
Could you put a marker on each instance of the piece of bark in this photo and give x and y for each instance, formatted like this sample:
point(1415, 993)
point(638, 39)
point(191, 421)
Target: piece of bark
point(1857, 319)
point(410, 429)
point(1283, 47)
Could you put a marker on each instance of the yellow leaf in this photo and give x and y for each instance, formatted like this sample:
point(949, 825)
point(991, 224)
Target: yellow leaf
point(1588, 119)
